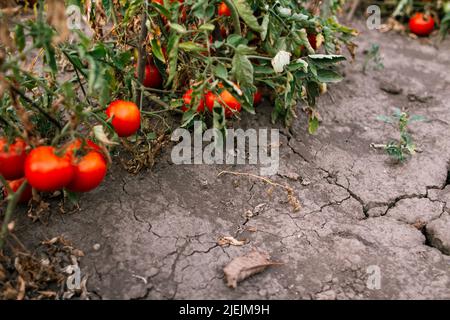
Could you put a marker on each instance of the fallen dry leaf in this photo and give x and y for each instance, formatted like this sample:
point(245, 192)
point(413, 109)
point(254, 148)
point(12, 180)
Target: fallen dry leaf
point(223, 241)
point(241, 268)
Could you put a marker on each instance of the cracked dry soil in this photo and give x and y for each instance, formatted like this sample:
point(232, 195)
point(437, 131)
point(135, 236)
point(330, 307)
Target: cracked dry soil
point(158, 230)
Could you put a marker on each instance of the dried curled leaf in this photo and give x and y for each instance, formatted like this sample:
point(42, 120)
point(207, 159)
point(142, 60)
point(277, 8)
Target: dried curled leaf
point(223, 241)
point(241, 268)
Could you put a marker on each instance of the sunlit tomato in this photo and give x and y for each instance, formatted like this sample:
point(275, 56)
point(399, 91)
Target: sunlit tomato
point(226, 99)
point(12, 159)
point(46, 171)
point(187, 99)
point(231, 103)
point(126, 117)
point(223, 10)
point(90, 170)
point(421, 24)
point(15, 185)
point(257, 98)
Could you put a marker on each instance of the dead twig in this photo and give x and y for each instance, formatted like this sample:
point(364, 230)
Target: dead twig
point(292, 199)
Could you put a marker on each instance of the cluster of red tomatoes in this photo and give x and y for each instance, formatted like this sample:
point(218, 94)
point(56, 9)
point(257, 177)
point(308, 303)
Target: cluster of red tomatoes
point(225, 99)
point(79, 166)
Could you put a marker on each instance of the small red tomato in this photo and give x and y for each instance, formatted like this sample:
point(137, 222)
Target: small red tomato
point(126, 117)
point(223, 10)
point(209, 100)
point(226, 99)
point(78, 145)
point(232, 105)
point(152, 77)
point(223, 32)
point(15, 185)
point(46, 171)
point(312, 39)
point(187, 99)
point(257, 98)
point(421, 24)
point(12, 159)
point(90, 170)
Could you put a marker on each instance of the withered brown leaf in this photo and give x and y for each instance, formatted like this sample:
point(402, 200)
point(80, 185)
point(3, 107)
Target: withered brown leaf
point(242, 267)
point(228, 240)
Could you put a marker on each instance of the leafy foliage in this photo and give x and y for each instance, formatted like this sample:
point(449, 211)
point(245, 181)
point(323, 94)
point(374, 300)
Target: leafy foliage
point(405, 145)
point(373, 58)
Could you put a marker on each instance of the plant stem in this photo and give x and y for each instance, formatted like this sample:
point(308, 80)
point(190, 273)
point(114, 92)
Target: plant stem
point(13, 199)
point(36, 106)
point(141, 58)
point(234, 16)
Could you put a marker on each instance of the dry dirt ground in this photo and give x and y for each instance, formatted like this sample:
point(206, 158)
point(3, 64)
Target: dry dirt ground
point(158, 230)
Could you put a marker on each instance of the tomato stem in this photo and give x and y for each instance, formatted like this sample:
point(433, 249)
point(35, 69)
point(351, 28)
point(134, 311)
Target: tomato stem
point(234, 16)
point(141, 58)
point(13, 199)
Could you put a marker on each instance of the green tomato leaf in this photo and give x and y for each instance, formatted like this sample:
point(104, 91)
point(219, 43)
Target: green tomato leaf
point(20, 37)
point(246, 13)
point(190, 46)
point(220, 71)
point(178, 28)
point(265, 27)
point(172, 48)
point(242, 70)
point(207, 27)
point(157, 51)
point(324, 75)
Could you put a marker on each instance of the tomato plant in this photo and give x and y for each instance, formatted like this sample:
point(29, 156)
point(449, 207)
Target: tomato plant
point(135, 63)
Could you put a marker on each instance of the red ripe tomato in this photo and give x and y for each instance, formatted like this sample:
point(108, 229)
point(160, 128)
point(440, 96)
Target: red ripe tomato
point(223, 10)
point(126, 117)
point(312, 40)
point(231, 103)
point(209, 100)
point(421, 24)
point(12, 159)
point(227, 100)
point(46, 171)
point(223, 32)
point(187, 99)
point(15, 185)
point(257, 98)
point(152, 77)
point(90, 169)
